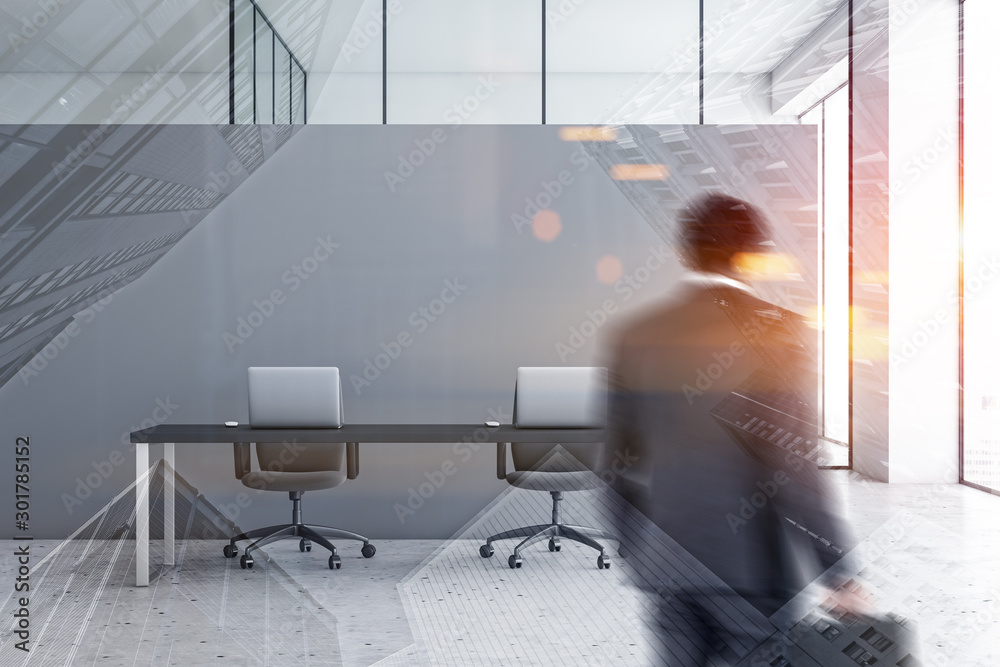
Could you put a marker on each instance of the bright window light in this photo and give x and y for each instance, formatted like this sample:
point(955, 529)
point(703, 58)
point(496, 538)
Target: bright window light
point(981, 244)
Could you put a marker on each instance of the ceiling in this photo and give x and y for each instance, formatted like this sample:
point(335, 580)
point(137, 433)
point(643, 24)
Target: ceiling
point(108, 36)
point(115, 36)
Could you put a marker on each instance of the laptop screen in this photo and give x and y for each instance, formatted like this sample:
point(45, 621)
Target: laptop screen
point(295, 397)
point(560, 397)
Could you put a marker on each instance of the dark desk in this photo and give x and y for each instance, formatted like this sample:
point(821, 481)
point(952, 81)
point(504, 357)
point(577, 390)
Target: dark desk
point(353, 434)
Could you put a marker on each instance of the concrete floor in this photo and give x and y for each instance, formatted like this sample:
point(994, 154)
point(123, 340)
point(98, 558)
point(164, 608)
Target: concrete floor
point(931, 553)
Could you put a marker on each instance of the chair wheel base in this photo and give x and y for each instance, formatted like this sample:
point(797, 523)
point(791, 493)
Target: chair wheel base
point(554, 544)
point(603, 562)
point(305, 545)
point(334, 562)
point(486, 551)
point(514, 562)
point(368, 550)
point(246, 562)
point(229, 551)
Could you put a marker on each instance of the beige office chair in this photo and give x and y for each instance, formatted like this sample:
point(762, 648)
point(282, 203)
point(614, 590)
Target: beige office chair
point(554, 398)
point(295, 468)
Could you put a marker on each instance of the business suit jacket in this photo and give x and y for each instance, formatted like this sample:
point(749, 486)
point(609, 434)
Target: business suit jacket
point(727, 497)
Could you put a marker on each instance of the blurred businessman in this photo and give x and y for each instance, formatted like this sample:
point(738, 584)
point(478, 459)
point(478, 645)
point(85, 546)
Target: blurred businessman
point(713, 393)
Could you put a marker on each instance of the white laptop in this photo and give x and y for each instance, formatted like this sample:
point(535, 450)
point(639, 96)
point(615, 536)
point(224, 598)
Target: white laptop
point(295, 397)
point(563, 397)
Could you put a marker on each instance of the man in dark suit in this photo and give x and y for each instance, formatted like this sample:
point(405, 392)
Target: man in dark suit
point(713, 395)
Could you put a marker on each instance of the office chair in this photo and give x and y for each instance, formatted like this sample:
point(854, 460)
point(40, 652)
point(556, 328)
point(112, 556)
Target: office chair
point(554, 397)
point(295, 470)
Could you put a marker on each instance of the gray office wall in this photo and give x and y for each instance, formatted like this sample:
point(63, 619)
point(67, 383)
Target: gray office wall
point(347, 241)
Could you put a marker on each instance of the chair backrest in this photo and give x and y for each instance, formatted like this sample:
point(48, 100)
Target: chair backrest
point(559, 397)
point(297, 397)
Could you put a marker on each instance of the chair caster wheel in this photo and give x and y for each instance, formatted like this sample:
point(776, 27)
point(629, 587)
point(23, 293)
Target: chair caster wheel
point(368, 550)
point(554, 544)
point(603, 562)
point(486, 551)
point(305, 545)
point(246, 562)
point(229, 551)
point(334, 562)
point(514, 562)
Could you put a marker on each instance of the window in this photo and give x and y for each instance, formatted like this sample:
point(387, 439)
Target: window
point(830, 115)
point(981, 357)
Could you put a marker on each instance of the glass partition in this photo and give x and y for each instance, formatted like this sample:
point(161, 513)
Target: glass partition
point(267, 81)
point(263, 71)
point(456, 62)
point(241, 65)
point(282, 86)
point(298, 96)
point(604, 64)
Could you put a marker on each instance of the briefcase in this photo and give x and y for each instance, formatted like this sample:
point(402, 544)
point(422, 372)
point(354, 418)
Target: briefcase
point(824, 638)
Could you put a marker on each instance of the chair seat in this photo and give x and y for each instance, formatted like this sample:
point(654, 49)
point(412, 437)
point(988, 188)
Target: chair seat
point(537, 480)
point(294, 481)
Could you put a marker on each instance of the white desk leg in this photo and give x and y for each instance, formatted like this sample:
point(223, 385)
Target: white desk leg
point(168, 503)
point(141, 514)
